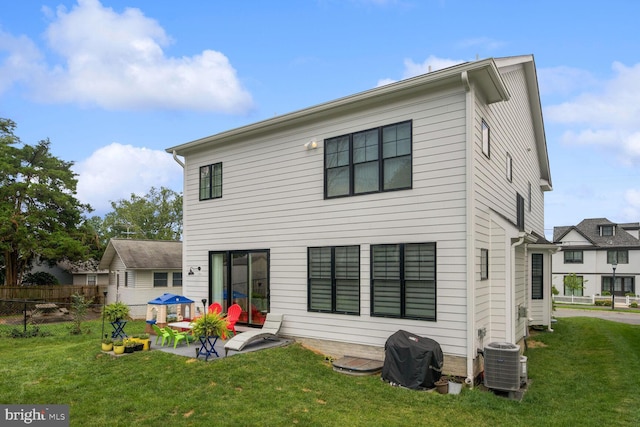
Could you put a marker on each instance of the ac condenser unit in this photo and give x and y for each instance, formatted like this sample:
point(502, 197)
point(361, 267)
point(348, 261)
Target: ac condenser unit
point(502, 366)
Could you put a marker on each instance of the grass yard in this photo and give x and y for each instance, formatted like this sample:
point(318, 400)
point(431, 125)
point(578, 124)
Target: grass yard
point(585, 373)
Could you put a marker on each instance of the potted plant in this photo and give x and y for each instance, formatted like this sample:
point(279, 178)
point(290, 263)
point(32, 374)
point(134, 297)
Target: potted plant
point(118, 347)
point(442, 385)
point(130, 346)
point(146, 341)
point(210, 325)
point(116, 311)
point(107, 344)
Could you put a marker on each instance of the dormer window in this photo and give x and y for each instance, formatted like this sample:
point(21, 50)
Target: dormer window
point(607, 230)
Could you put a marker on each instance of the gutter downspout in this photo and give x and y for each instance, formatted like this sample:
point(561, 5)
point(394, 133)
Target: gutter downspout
point(175, 157)
point(510, 288)
point(470, 227)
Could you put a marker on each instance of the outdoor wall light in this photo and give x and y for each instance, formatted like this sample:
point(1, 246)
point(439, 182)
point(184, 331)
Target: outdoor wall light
point(191, 273)
point(311, 145)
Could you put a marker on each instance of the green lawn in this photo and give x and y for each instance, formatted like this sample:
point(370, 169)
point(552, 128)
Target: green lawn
point(583, 374)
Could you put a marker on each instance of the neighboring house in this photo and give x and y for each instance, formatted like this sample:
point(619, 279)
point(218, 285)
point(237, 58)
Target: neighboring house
point(418, 205)
point(141, 270)
point(86, 273)
point(589, 250)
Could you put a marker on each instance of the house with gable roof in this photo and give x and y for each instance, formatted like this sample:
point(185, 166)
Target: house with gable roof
point(417, 206)
point(141, 270)
point(590, 249)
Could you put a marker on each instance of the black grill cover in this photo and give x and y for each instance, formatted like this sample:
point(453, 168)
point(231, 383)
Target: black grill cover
point(412, 361)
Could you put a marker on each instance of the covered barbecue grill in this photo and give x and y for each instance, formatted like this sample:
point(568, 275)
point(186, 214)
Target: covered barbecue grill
point(412, 361)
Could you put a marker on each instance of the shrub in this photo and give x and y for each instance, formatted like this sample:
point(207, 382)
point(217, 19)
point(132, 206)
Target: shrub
point(634, 304)
point(41, 278)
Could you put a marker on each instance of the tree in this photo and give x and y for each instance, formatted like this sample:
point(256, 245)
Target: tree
point(573, 283)
point(154, 216)
point(39, 214)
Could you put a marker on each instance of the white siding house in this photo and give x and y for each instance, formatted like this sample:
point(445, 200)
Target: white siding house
point(417, 205)
point(588, 250)
point(142, 270)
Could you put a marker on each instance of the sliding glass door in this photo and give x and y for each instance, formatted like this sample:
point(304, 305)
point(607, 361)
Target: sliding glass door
point(241, 277)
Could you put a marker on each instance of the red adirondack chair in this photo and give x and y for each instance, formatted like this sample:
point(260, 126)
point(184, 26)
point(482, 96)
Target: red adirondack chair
point(233, 314)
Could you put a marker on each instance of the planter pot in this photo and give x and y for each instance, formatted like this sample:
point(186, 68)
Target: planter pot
point(107, 347)
point(455, 388)
point(118, 349)
point(129, 349)
point(138, 347)
point(442, 386)
point(146, 345)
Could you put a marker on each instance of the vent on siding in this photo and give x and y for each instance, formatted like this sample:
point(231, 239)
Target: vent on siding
point(502, 366)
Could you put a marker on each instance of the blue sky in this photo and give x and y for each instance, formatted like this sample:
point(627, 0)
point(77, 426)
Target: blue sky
point(113, 83)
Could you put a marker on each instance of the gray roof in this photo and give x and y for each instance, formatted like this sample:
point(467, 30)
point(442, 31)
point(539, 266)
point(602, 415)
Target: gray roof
point(589, 229)
point(144, 254)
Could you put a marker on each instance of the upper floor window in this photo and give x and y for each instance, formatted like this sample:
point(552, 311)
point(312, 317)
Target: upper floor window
point(160, 280)
point(486, 143)
point(520, 212)
point(607, 230)
point(618, 257)
point(484, 264)
point(573, 257)
point(211, 181)
point(403, 280)
point(370, 161)
point(334, 279)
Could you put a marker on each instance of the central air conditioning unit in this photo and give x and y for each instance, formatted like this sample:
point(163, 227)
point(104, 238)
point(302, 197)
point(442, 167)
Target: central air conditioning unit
point(502, 366)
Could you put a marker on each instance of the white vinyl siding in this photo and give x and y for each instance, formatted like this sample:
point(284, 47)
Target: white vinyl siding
point(274, 199)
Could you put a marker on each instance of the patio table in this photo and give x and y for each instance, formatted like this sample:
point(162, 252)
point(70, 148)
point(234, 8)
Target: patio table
point(180, 325)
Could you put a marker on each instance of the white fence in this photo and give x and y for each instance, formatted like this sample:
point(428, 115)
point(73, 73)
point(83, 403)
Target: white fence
point(591, 299)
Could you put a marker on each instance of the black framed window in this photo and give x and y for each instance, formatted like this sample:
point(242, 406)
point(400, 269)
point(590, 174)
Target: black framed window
point(334, 279)
point(573, 257)
point(486, 141)
point(403, 280)
point(484, 264)
point(624, 285)
point(537, 276)
point(520, 212)
point(177, 278)
point(160, 280)
point(607, 230)
point(618, 256)
point(369, 161)
point(211, 181)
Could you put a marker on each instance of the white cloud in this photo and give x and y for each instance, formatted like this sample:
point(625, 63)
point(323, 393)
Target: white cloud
point(22, 59)
point(116, 61)
point(412, 69)
point(564, 80)
point(116, 171)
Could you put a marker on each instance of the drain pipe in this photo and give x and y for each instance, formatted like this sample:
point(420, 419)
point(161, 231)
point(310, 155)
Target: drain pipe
point(517, 243)
point(178, 161)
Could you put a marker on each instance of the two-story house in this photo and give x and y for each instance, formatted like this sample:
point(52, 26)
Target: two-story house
point(418, 205)
point(590, 250)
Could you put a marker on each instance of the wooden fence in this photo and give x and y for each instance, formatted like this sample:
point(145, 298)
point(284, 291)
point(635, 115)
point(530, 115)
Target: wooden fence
point(54, 294)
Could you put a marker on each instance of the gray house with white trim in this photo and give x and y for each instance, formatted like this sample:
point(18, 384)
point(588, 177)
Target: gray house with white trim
point(418, 205)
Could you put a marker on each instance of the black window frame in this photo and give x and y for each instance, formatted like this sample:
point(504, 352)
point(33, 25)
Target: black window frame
point(486, 138)
point(520, 221)
point(537, 276)
point(176, 277)
point(343, 160)
point(608, 230)
point(208, 188)
point(618, 253)
point(378, 275)
point(623, 280)
point(158, 281)
point(571, 258)
point(334, 277)
point(484, 264)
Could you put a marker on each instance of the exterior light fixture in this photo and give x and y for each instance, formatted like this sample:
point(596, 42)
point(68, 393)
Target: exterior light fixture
point(191, 272)
point(311, 145)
